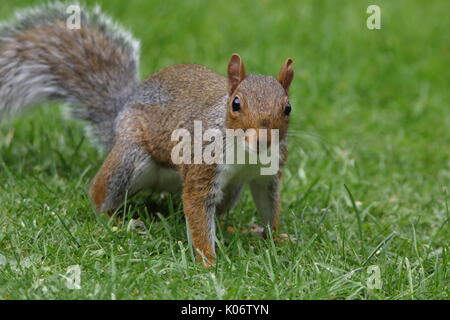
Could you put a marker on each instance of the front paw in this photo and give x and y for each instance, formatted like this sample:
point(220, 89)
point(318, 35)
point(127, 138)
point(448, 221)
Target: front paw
point(283, 237)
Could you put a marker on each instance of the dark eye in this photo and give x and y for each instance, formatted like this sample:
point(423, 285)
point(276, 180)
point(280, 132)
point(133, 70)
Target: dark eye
point(236, 104)
point(287, 109)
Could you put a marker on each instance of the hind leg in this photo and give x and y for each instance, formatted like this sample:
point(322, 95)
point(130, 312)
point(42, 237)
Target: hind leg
point(120, 176)
point(128, 168)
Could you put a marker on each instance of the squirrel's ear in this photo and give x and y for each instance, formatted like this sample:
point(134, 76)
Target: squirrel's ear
point(286, 74)
point(236, 72)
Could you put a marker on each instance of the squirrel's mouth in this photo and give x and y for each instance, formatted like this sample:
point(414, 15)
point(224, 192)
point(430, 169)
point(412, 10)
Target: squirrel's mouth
point(258, 141)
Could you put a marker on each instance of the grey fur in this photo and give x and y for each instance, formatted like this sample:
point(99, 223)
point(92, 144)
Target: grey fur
point(231, 196)
point(132, 164)
point(45, 67)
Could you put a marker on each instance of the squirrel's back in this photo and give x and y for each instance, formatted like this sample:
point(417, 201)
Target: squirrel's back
point(181, 86)
point(94, 67)
point(174, 98)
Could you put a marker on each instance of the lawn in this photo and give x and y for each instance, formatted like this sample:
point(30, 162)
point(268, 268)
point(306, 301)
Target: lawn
point(365, 191)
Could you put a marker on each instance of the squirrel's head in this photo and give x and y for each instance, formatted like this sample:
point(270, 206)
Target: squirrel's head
point(257, 101)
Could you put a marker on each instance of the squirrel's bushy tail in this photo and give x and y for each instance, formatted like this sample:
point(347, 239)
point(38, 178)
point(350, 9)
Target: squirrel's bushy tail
point(94, 68)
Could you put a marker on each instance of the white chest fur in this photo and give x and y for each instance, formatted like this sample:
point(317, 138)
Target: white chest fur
point(240, 173)
point(233, 175)
point(150, 175)
point(155, 177)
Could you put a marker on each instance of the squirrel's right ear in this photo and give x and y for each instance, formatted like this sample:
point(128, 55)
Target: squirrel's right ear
point(236, 72)
point(286, 74)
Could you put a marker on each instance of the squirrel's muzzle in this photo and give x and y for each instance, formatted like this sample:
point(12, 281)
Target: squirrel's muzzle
point(259, 140)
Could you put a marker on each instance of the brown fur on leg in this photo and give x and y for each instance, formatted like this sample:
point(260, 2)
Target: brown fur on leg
point(117, 176)
point(199, 204)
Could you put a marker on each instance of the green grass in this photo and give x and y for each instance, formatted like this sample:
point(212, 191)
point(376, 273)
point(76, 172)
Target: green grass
point(367, 181)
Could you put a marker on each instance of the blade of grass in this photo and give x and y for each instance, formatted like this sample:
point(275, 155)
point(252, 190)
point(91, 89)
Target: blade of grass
point(358, 217)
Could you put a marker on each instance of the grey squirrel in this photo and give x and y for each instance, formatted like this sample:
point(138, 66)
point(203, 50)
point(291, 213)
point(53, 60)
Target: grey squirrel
point(95, 69)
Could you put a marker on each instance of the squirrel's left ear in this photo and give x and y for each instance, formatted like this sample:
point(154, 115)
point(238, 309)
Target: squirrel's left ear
point(236, 72)
point(286, 74)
